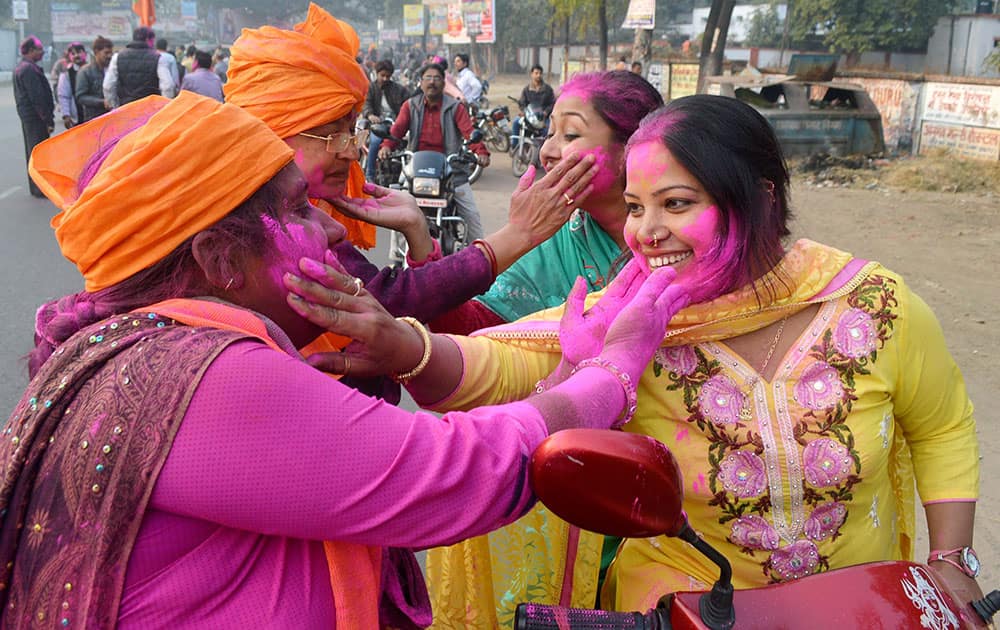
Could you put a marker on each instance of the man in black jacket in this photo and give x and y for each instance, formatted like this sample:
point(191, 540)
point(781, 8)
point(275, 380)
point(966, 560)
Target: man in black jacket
point(138, 71)
point(90, 81)
point(33, 96)
point(384, 99)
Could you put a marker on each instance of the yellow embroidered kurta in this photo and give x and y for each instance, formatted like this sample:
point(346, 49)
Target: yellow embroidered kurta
point(808, 472)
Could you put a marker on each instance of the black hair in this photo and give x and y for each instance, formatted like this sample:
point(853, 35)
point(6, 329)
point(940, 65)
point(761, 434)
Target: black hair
point(538, 67)
point(29, 44)
point(385, 64)
point(203, 59)
point(143, 34)
point(161, 44)
point(464, 57)
point(430, 66)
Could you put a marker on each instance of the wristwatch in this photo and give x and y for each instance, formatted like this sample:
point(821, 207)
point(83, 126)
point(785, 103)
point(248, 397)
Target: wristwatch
point(968, 561)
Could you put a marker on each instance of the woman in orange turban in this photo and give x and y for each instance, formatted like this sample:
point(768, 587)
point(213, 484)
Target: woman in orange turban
point(174, 463)
point(308, 87)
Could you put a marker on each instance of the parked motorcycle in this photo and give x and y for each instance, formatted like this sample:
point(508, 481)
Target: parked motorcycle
point(428, 176)
point(527, 144)
point(630, 486)
point(495, 126)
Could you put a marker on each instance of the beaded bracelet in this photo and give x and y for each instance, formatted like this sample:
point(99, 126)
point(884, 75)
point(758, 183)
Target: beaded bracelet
point(632, 399)
point(490, 254)
point(406, 377)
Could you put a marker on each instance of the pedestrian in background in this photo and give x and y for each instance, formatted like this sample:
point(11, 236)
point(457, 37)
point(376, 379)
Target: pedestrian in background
point(90, 81)
point(33, 96)
point(137, 72)
point(171, 61)
point(66, 85)
point(201, 79)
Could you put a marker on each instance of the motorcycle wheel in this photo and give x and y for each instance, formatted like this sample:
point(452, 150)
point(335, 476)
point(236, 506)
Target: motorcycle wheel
point(497, 140)
point(476, 173)
point(524, 156)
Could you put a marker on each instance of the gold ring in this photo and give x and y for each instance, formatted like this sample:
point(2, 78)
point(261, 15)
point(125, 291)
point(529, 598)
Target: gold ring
point(569, 200)
point(358, 285)
point(347, 364)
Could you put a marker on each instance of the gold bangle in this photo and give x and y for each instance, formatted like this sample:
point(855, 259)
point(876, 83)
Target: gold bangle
point(405, 377)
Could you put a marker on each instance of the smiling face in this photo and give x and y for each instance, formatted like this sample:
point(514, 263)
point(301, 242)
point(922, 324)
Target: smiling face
point(672, 221)
point(326, 172)
point(576, 126)
point(301, 230)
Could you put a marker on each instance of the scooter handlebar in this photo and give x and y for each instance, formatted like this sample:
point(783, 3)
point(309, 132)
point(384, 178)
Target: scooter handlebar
point(540, 617)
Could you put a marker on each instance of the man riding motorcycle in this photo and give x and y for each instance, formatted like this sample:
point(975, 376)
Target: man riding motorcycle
point(385, 97)
point(437, 122)
point(537, 93)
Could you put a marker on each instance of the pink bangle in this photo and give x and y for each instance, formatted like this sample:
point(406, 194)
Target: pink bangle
point(434, 255)
point(631, 398)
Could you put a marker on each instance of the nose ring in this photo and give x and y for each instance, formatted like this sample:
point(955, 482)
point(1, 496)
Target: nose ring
point(655, 240)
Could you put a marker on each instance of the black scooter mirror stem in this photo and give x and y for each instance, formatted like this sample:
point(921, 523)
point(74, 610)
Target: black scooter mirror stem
point(716, 606)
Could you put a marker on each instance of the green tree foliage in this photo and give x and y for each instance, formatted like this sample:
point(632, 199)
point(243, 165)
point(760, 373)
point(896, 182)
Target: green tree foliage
point(856, 26)
point(765, 27)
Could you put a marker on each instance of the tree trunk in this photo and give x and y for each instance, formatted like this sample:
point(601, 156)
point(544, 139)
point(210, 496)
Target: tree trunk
point(602, 25)
point(713, 43)
point(565, 60)
point(642, 49)
point(552, 45)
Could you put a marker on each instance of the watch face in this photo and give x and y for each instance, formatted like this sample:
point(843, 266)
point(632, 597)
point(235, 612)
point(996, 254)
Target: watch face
point(971, 561)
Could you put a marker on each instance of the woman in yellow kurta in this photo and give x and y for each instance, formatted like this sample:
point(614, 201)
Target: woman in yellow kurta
point(800, 392)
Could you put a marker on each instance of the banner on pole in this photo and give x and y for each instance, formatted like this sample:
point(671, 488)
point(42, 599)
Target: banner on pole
point(641, 15)
point(413, 20)
point(438, 19)
point(458, 15)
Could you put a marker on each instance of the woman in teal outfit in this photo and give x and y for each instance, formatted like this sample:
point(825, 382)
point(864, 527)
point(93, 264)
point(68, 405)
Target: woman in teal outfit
point(594, 114)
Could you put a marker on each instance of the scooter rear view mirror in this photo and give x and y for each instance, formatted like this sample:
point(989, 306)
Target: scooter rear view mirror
point(609, 482)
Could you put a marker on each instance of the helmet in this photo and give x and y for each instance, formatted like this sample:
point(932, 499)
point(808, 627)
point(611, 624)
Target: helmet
point(534, 116)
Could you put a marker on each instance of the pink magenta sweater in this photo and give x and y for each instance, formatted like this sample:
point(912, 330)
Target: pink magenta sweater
point(274, 457)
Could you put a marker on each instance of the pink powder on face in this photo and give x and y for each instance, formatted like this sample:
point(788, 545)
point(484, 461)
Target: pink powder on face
point(633, 244)
point(645, 164)
point(713, 270)
point(609, 169)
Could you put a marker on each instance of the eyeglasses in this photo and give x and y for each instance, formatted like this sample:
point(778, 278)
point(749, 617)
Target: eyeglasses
point(432, 78)
point(335, 142)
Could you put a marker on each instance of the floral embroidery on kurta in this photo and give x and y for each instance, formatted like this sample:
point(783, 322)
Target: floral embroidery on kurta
point(809, 423)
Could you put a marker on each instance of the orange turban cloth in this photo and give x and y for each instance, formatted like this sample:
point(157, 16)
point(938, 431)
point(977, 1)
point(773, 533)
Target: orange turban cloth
point(178, 167)
point(300, 79)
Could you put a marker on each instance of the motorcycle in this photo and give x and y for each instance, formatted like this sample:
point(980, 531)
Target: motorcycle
point(633, 489)
point(495, 126)
point(428, 176)
point(529, 139)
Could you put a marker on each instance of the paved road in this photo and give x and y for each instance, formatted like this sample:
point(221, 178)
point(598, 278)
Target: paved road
point(33, 271)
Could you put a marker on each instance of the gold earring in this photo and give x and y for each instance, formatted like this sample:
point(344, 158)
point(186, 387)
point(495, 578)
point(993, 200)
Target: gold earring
point(229, 284)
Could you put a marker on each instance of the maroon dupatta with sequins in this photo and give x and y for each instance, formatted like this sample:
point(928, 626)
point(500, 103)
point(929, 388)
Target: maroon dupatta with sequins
point(81, 454)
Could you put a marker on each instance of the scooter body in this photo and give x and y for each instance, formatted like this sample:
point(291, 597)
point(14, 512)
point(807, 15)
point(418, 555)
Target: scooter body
point(634, 489)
